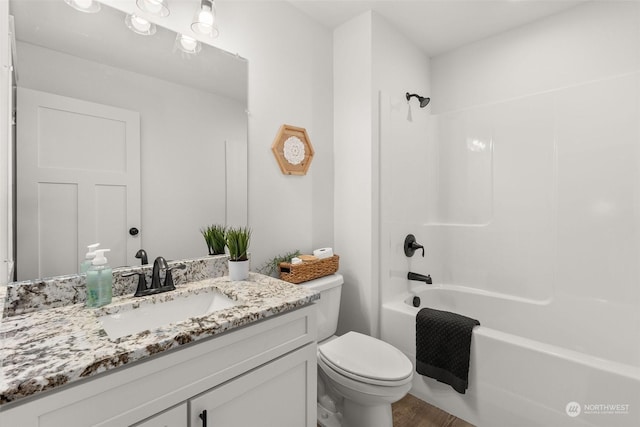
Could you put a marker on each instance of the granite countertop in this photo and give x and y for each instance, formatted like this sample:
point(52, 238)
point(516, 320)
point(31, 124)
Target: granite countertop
point(46, 349)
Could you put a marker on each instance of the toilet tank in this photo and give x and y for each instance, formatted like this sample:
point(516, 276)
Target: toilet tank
point(328, 306)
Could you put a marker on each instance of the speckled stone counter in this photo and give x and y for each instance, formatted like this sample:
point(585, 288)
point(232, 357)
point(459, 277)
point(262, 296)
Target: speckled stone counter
point(42, 294)
point(45, 349)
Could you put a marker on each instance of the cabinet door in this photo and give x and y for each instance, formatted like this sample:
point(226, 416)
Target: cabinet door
point(280, 393)
point(174, 417)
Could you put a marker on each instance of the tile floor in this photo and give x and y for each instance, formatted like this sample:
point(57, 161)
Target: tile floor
point(413, 412)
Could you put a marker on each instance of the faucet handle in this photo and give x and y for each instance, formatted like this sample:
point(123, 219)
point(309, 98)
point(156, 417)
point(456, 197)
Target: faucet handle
point(411, 246)
point(168, 278)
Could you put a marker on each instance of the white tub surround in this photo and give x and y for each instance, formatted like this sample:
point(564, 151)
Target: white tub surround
point(46, 349)
point(521, 181)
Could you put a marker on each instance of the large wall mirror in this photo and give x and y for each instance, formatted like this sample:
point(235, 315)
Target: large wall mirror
point(118, 131)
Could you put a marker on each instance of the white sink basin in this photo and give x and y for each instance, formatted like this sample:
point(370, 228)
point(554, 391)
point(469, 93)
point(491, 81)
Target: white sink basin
point(151, 316)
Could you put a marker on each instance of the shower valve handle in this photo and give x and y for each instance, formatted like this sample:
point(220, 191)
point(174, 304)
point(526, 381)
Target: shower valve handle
point(411, 246)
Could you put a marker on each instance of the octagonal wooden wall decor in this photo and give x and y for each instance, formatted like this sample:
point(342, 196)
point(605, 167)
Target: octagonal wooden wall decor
point(293, 150)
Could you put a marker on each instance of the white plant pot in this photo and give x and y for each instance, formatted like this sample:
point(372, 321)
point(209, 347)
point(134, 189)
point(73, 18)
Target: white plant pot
point(238, 270)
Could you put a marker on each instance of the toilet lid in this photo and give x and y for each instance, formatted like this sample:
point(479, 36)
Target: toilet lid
point(366, 357)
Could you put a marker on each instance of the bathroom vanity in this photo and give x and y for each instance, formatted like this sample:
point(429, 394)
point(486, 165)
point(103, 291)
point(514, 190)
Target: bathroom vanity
point(234, 366)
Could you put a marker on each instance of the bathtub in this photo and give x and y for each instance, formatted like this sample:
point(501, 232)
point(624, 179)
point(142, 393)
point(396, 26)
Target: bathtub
point(531, 363)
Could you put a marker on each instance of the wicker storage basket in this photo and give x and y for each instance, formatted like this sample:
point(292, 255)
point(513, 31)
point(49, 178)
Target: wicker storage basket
point(308, 270)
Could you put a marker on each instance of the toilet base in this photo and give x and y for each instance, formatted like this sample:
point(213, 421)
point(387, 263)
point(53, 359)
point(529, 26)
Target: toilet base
point(356, 415)
point(327, 418)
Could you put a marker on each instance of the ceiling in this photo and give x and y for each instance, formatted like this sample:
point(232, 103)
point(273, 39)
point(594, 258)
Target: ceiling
point(438, 26)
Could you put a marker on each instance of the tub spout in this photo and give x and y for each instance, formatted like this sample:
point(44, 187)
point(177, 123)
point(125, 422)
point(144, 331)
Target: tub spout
point(419, 277)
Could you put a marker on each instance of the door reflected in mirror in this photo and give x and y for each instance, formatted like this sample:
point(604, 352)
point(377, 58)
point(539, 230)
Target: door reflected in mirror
point(118, 131)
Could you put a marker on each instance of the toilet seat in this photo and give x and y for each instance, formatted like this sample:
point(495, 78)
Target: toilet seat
point(366, 359)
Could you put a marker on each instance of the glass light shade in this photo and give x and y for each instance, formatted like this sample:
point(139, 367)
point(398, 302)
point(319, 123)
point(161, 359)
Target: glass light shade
point(154, 7)
point(204, 20)
point(140, 25)
point(87, 6)
point(188, 44)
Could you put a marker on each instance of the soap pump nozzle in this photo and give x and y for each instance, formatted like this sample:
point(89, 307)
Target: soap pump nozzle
point(100, 259)
point(92, 251)
point(88, 258)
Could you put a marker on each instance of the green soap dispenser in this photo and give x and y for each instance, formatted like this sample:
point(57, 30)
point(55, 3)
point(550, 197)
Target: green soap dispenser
point(99, 281)
point(88, 258)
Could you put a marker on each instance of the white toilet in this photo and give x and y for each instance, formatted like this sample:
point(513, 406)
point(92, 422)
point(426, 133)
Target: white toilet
point(359, 376)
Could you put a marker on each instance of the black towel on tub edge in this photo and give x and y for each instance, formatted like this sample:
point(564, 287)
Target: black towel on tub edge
point(443, 346)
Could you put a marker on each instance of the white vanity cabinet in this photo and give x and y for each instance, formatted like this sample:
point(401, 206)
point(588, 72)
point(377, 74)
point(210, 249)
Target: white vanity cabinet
point(260, 374)
point(269, 396)
point(174, 417)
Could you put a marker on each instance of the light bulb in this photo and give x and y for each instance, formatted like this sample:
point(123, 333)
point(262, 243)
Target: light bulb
point(205, 17)
point(88, 6)
point(155, 7)
point(188, 44)
point(84, 4)
point(203, 21)
point(140, 25)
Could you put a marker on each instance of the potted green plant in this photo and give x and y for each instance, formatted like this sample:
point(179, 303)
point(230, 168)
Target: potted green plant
point(216, 238)
point(238, 239)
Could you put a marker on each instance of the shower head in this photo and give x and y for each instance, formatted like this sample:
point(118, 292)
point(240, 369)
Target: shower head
point(423, 101)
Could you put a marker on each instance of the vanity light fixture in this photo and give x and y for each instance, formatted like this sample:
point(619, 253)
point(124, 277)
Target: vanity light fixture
point(204, 20)
point(87, 6)
point(188, 44)
point(154, 7)
point(140, 25)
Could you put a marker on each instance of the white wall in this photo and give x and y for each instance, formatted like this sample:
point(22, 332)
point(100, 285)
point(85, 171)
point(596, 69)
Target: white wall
point(587, 43)
point(407, 169)
point(354, 186)
point(537, 158)
point(290, 81)
point(557, 105)
point(398, 67)
point(375, 65)
point(183, 134)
